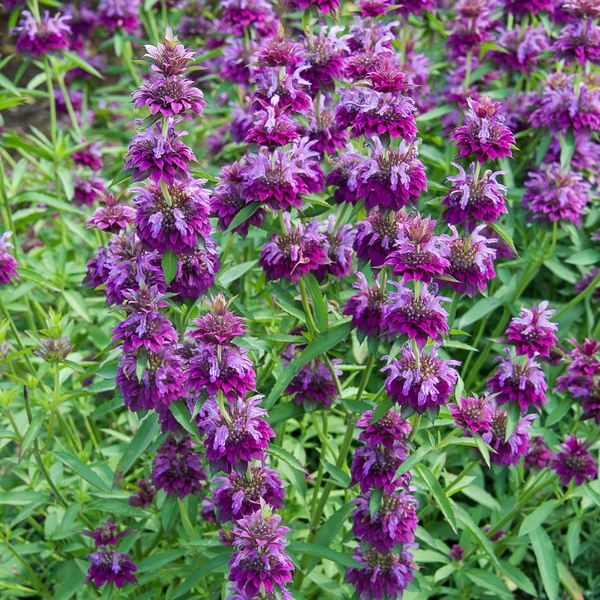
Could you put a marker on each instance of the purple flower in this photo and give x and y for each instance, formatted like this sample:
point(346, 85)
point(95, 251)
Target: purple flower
point(556, 195)
point(170, 97)
point(238, 495)
point(112, 216)
point(457, 552)
point(110, 566)
point(260, 562)
point(106, 534)
point(86, 191)
point(41, 37)
point(278, 51)
point(519, 380)
point(242, 14)
point(390, 178)
point(539, 455)
point(272, 128)
point(325, 6)
point(483, 133)
point(574, 461)
point(376, 236)
point(583, 9)
point(366, 306)
point(375, 467)
point(162, 380)
point(507, 452)
point(579, 42)
point(406, 7)
point(170, 58)
point(144, 495)
point(522, 7)
point(523, 48)
point(159, 156)
point(218, 325)
point(237, 435)
point(89, 156)
point(314, 384)
point(8, 264)
point(394, 522)
point(388, 431)
point(418, 254)
point(340, 174)
point(422, 382)
point(473, 414)
point(468, 200)
point(374, 8)
point(471, 261)
point(293, 254)
point(339, 247)
point(324, 58)
point(420, 317)
point(221, 368)
point(174, 222)
point(533, 332)
point(120, 14)
point(196, 270)
point(286, 90)
point(383, 575)
point(176, 468)
point(470, 28)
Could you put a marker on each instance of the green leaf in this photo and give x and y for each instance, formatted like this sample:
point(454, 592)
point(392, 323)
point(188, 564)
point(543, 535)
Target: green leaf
point(467, 522)
point(517, 577)
point(514, 415)
point(287, 458)
point(169, 266)
point(77, 303)
point(567, 149)
point(243, 215)
point(160, 559)
point(504, 235)
point(435, 113)
point(480, 309)
point(81, 469)
point(148, 431)
point(562, 408)
point(341, 478)
point(413, 460)
point(332, 526)
point(321, 344)
point(546, 561)
point(182, 415)
point(488, 581)
point(537, 517)
point(199, 570)
point(543, 147)
point(574, 540)
point(31, 433)
point(375, 501)
point(584, 258)
point(322, 551)
point(555, 266)
point(77, 60)
point(569, 582)
point(319, 304)
point(439, 496)
point(233, 273)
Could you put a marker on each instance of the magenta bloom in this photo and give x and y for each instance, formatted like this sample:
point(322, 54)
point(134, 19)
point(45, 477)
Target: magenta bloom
point(533, 332)
point(259, 561)
point(8, 264)
point(325, 6)
point(110, 566)
point(89, 156)
point(286, 90)
point(169, 58)
point(374, 8)
point(112, 216)
point(144, 495)
point(393, 523)
point(196, 270)
point(339, 247)
point(556, 195)
point(242, 14)
point(152, 154)
point(343, 166)
point(238, 495)
point(579, 42)
point(574, 461)
point(366, 306)
point(170, 97)
point(120, 14)
point(177, 469)
point(391, 178)
point(519, 380)
point(507, 452)
point(236, 438)
point(387, 431)
point(523, 48)
point(470, 201)
point(272, 128)
point(314, 384)
point(87, 191)
point(224, 368)
point(583, 9)
point(106, 534)
point(483, 133)
point(278, 51)
point(471, 261)
point(383, 575)
point(292, 255)
point(328, 137)
point(421, 383)
point(162, 381)
point(418, 254)
point(324, 58)
point(174, 222)
point(375, 467)
point(218, 325)
point(539, 455)
point(473, 414)
point(522, 7)
point(376, 236)
point(41, 37)
point(405, 7)
point(420, 318)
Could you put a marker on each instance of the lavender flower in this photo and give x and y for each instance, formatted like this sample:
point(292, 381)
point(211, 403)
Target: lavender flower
point(420, 317)
point(375, 467)
point(175, 221)
point(278, 51)
point(556, 195)
point(242, 14)
point(470, 200)
point(519, 380)
point(376, 236)
point(574, 461)
point(314, 384)
point(366, 306)
point(176, 468)
point(539, 455)
point(238, 495)
point(522, 7)
point(8, 264)
point(340, 174)
point(159, 155)
point(271, 128)
point(169, 58)
point(218, 325)
point(196, 270)
point(112, 216)
point(394, 522)
point(235, 434)
point(422, 382)
point(472, 414)
point(383, 575)
point(89, 156)
point(110, 566)
point(325, 6)
point(339, 247)
point(324, 57)
point(532, 332)
point(41, 37)
point(106, 534)
point(87, 191)
point(169, 97)
point(418, 254)
point(483, 133)
point(387, 431)
point(523, 48)
point(259, 561)
point(579, 42)
point(120, 14)
point(286, 90)
point(144, 495)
